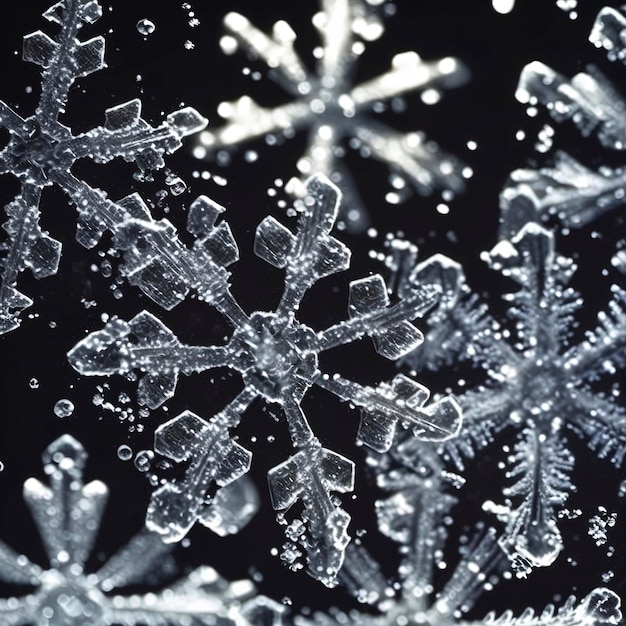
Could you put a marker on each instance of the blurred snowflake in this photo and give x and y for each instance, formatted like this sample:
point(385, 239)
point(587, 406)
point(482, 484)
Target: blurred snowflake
point(68, 514)
point(332, 108)
point(542, 382)
point(573, 192)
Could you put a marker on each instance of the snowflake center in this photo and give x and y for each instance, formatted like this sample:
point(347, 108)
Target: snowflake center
point(70, 601)
point(279, 353)
point(542, 384)
point(37, 149)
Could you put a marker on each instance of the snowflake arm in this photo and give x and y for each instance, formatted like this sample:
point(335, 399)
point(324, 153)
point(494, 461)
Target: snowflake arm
point(370, 314)
point(146, 344)
point(401, 401)
point(571, 191)
point(312, 253)
point(65, 59)
point(310, 475)
point(541, 468)
point(213, 455)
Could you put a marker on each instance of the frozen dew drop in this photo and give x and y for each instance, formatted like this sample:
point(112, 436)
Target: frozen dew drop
point(503, 6)
point(124, 452)
point(63, 408)
point(33, 383)
point(146, 27)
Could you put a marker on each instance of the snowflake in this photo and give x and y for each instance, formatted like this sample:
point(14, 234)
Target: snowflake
point(42, 150)
point(277, 358)
point(414, 515)
point(332, 108)
point(542, 383)
point(573, 192)
point(68, 514)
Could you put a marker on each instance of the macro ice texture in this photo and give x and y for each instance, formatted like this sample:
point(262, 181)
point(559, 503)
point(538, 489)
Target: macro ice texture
point(572, 191)
point(42, 150)
point(415, 513)
point(332, 109)
point(277, 357)
point(543, 383)
point(68, 514)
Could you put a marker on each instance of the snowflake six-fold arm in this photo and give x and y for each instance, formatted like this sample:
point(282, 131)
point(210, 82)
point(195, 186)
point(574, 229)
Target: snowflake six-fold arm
point(68, 514)
point(541, 382)
point(277, 358)
point(42, 150)
point(332, 109)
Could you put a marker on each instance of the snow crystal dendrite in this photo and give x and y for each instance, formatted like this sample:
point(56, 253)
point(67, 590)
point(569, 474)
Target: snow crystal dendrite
point(68, 514)
point(42, 150)
point(541, 382)
point(332, 109)
point(277, 358)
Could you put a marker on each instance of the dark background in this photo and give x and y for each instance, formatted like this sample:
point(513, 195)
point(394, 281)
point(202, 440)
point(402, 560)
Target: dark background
point(495, 48)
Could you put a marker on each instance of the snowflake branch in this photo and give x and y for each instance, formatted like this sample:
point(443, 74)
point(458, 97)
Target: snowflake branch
point(403, 401)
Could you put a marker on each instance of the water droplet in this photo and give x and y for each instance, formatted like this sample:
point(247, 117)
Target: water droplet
point(124, 452)
point(143, 460)
point(503, 6)
point(64, 408)
point(33, 383)
point(146, 27)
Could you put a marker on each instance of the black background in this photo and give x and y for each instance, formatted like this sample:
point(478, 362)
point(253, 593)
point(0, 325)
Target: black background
point(495, 48)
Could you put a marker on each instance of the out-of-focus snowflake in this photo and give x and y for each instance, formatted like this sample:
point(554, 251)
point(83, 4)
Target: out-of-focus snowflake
point(573, 192)
point(68, 514)
point(414, 515)
point(278, 359)
point(542, 382)
point(42, 150)
point(332, 108)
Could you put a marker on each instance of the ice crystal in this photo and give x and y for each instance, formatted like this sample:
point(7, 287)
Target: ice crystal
point(277, 358)
point(414, 515)
point(68, 514)
point(42, 150)
point(568, 189)
point(331, 108)
point(542, 382)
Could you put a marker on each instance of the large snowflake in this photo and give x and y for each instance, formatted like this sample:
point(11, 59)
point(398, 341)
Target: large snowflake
point(277, 358)
point(568, 189)
point(332, 108)
point(542, 382)
point(42, 150)
point(414, 515)
point(68, 514)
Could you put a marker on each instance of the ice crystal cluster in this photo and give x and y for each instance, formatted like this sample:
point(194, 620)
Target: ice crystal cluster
point(540, 381)
point(332, 109)
point(42, 151)
point(68, 514)
point(277, 358)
